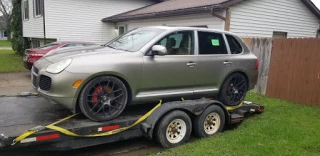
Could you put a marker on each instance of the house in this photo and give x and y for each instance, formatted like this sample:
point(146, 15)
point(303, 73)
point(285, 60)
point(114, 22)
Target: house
point(247, 18)
point(101, 20)
point(3, 30)
point(76, 20)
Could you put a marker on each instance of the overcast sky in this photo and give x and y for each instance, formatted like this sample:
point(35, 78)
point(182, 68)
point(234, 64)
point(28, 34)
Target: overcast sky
point(317, 3)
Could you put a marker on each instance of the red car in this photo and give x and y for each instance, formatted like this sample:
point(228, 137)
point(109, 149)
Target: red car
point(32, 55)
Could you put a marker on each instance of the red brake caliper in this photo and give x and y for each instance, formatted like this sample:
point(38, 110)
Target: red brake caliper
point(97, 91)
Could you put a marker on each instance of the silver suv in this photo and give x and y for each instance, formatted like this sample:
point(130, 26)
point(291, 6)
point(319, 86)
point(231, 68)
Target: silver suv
point(145, 65)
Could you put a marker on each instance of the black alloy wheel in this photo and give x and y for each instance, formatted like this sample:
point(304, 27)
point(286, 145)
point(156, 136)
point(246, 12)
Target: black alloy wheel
point(233, 90)
point(103, 98)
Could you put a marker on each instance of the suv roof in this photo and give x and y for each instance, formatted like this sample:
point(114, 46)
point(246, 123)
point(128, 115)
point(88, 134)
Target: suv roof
point(190, 28)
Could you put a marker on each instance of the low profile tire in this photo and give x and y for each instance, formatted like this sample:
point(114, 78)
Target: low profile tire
point(233, 90)
point(210, 122)
point(173, 129)
point(103, 98)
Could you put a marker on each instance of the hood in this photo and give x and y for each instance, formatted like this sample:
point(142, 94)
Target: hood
point(59, 55)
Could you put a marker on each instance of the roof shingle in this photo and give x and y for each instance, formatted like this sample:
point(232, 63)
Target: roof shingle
point(172, 6)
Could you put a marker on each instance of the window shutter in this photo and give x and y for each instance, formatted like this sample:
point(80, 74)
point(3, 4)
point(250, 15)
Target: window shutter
point(34, 8)
point(41, 6)
point(27, 12)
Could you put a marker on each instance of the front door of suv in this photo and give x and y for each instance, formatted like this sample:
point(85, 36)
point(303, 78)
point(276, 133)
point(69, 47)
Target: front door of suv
point(171, 75)
point(214, 63)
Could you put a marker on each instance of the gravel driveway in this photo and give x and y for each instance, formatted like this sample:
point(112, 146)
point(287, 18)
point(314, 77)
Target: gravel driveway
point(14, 83)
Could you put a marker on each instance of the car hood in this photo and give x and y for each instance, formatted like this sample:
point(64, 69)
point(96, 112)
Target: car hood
point(60, 55)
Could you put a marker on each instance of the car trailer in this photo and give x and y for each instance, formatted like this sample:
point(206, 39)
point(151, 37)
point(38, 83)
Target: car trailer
point(170, 123)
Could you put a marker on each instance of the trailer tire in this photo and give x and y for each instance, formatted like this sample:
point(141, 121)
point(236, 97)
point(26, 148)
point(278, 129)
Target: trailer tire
point(210, 122)
point(173, 129)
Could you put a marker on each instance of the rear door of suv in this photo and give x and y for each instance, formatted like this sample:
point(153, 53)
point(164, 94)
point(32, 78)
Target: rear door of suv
point(214, 62)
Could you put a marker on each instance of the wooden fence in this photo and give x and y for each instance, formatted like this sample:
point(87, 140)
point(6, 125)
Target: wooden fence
point(295, 71)
point(261, 47)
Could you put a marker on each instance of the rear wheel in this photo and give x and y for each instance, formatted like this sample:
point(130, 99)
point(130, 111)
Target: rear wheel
point(173, 129)
point(233, 90)
point(103, 98)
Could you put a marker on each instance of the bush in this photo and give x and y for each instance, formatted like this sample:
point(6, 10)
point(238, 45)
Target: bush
point(19, 43)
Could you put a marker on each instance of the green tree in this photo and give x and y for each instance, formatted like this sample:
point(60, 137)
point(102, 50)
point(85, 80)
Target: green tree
point(19, 44)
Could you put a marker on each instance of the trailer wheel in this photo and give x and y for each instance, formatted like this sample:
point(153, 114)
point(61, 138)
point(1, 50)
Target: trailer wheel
point(174, 129)
point(210, 122)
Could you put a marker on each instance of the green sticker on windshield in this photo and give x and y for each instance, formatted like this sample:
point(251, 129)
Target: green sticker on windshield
point(215, 42)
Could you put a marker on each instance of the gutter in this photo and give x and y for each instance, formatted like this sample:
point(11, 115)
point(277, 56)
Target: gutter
point(194, 10)
point(312, 7)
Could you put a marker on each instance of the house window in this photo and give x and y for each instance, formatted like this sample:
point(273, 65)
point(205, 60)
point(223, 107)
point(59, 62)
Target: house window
point(25, 10)
point(35, 44)
point(211, 43)
point(277, 34)
point(121, 29)
point(5, 34)
point(38, 7)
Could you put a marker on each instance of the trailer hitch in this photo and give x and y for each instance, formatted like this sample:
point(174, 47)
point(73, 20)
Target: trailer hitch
point(4, 140)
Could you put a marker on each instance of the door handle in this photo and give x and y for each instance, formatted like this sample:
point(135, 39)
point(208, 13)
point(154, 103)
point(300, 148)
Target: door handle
point(191, 64)
point(227, 62)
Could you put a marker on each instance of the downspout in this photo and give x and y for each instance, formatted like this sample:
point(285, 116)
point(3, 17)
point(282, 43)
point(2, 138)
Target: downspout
point(44, 24)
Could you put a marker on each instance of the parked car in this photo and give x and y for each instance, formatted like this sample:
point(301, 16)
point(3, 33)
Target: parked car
point(32, 55)
point(145, 65)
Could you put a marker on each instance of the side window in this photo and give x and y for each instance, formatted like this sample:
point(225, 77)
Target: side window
point(235, 46)
point(211, 43)
point(179, 43)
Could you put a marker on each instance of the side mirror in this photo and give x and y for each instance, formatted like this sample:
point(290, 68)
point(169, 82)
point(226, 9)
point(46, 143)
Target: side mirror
point(159, 49)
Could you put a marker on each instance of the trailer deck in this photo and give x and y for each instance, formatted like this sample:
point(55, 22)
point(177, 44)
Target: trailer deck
point(18, 114)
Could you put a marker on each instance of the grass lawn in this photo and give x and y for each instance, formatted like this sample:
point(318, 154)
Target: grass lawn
point(10, 62)
point(5, 43)
point(283, 129)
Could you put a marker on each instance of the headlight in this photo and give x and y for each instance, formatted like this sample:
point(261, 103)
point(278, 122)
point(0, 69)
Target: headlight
point(58, 67)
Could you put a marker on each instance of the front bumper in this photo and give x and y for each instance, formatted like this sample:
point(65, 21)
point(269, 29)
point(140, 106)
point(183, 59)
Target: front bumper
point(61, 90)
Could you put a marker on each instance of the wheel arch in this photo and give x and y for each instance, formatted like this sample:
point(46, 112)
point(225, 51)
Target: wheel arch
point(121, 77)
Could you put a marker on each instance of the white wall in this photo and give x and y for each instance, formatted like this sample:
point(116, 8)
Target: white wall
point(186, 20)
point(79, 20)
point(259, 18)
point(33, 27)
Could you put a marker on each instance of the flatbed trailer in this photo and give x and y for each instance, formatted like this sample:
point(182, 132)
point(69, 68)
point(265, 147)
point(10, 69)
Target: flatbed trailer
point(18, 114)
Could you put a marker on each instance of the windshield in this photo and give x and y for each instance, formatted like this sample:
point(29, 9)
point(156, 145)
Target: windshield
point(47, 46)
point(135, 39)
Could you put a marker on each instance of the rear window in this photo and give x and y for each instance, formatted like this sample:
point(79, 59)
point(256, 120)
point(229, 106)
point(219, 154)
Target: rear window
point(47, 46)
point(235, 46)
point(211, 43)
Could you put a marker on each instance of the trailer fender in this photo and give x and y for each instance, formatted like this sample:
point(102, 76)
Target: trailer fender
point(195, 107)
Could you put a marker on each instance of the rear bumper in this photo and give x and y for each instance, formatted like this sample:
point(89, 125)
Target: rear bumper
point(253, 79)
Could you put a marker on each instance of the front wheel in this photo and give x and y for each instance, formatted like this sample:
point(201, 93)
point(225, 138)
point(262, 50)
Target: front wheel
point(233, 90)
point(103, 98)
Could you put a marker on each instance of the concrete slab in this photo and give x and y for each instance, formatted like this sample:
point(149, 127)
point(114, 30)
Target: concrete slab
point(14, 83)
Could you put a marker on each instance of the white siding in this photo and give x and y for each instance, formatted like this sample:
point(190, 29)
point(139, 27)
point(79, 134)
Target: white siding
point(79, 20)
point(187, 20)
point(259, 18)
point(33, 27)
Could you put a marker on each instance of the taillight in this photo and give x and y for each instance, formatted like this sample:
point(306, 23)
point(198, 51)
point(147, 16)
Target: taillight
point(35, 56)
point(257, 64)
